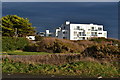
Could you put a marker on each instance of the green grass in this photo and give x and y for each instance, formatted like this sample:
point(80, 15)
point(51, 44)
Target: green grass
point(82, 68)
point(24, 53)
point(19, 52)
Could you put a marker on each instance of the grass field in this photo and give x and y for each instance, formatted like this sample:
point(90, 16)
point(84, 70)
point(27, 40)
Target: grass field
point(18, 52)
point(81, 68)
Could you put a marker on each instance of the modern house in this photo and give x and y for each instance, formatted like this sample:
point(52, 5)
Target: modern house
point(47, 33)
point(73, 31)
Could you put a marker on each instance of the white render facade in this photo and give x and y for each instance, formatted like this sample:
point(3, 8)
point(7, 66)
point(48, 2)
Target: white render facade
point(73, 31)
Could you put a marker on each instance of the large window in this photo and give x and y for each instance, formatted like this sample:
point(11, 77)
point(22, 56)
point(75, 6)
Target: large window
point(83, 38)
point(92, 28)
point(64, 37)
point(63, 27)
point(88, 32)
point(75, 37)
point(78, 27)
point(99, 33)
point(81, 33)
point(75, 33)
point(99, 28)
point(64, 32)
point(94, 33)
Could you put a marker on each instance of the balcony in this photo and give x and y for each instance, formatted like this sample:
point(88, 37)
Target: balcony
point(94, 30)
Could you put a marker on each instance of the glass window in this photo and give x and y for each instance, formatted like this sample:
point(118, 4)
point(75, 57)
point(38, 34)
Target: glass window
point(94, 33)
point(75, 33)
point(99, 28)
point(75, 37)
point(88, 29)
point(64, 32)
point(92, 28)
point(83, 38)
point(64, 37)
point(88, 32)
point(99, 33)
point(78, 27)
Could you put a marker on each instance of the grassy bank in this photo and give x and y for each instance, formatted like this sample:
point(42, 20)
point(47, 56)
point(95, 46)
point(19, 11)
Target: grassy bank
point(81, 68)
point(18, 52)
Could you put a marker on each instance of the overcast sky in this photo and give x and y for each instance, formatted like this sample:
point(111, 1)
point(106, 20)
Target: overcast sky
point(52, 15)
point(59, 0)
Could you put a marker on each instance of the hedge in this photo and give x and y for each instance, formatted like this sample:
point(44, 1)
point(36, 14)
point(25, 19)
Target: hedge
point(12, 43)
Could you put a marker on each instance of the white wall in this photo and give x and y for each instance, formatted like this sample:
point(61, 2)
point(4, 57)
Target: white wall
point(71, 29)
point(30, 37)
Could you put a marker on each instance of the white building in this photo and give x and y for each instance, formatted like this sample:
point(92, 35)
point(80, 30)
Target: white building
point(47, 33)
point(30, 37)
point(73, 31)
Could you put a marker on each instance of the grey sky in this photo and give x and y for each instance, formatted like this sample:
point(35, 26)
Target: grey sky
point(59, 0)
point(52, 15)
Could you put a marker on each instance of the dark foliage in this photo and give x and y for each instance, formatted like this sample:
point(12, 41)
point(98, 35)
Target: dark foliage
point(12, 43)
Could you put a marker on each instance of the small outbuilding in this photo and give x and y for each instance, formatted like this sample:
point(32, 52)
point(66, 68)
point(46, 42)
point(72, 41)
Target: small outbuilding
point(30, 37)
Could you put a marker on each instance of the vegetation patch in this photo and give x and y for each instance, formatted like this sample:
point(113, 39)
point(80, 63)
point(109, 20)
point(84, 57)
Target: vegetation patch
point(83, 69)
point(25, 53)
point(54, 45)
point(13, 43)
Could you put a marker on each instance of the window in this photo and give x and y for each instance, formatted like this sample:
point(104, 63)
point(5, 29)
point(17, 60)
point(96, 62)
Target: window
point(99, 28)
point(88, 29)
point(88, 32)
point(64, 32)
point(63, 27)
point(75, 37)
point(92, 28)
point(104, 34)
point(75, 33)
point(64, 37)
point(99, 33)
point(83, 38)
point(81, 33)
point(94, 33)
point(78, 27)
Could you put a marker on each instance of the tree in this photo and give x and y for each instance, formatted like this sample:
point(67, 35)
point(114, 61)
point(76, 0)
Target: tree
point(12, 24)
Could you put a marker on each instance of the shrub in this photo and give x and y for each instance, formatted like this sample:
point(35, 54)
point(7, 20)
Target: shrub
point(31, 48)
point(11, 43)
point(60, 45)
point(106, 41)
point(102, 51)
point(54, 45)
point(38, 38)
point(85, 43)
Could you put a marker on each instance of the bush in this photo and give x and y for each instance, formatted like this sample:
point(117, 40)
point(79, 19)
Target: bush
point(106, 40)
point(60, 46)
point(11, 43)
point(31, 48)
point(102, 51)
point(54, 45)
point(99, 39)
point(38, 38)
point(85, 43)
